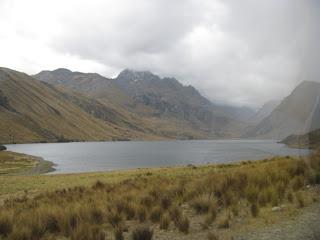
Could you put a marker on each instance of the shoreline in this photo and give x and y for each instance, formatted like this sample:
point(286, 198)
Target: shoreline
point(20, 164)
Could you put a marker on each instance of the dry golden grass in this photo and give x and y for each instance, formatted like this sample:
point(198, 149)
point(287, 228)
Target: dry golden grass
point(161, 198)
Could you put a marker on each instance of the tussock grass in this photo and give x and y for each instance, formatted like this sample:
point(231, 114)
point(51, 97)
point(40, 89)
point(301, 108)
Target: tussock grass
point(215, 193)
point(142, 233)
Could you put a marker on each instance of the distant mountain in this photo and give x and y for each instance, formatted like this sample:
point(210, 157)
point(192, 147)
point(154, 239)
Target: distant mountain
point(309, 140)
point(175, 110)
point(298, 113)
point(32, 111)
point(243, 114)
point(264, 111)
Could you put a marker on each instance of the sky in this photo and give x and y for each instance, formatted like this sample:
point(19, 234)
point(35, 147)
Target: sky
point(242, 53)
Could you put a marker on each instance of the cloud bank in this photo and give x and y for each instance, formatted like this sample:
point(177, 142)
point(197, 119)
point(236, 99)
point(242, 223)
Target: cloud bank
point(235, 52)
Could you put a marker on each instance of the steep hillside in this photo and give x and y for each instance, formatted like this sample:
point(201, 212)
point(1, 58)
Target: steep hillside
point(166, 98)
point(91, 84)
point(309, 140)
point(264, 111)
point(173, 110)
point(296, 114)
point(31, 111)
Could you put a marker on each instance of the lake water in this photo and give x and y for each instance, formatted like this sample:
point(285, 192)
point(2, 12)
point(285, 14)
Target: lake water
point(103, 156)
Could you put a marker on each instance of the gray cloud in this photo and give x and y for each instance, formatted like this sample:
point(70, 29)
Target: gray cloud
point(236, 52)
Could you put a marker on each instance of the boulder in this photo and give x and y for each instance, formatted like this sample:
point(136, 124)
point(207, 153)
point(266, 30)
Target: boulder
point(2, 148)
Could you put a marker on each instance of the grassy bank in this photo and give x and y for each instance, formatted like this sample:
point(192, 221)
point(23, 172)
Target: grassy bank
point(21, 164)
point(207, 202)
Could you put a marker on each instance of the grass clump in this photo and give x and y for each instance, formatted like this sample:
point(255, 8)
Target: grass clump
point(183, 224)
point(254, 210)
point(156, 214)
point(165, 222)
point(118, 233)
point(142, 233)
point(5, 225)
point(201, 204)
point(212, 236)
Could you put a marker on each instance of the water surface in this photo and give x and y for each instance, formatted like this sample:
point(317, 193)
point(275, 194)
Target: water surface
point(103, 156)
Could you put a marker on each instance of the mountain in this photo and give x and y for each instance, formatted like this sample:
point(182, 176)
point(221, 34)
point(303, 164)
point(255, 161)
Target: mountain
point(175, 110)
point(309, 140)
point(91, 84)
point(167, 98)
point(264, 111)
point(33, 111)
point(298, 113)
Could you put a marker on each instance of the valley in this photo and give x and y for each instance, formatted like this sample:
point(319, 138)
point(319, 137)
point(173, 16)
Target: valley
point(61, 106)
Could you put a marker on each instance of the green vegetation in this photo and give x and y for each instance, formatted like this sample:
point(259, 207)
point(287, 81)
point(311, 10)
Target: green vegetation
point(137, 204)
point(16, 163)
point(309, 140)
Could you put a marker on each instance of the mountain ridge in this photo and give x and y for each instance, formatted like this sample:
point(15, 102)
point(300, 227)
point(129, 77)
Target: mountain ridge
point(297, 113)
point(162, 99)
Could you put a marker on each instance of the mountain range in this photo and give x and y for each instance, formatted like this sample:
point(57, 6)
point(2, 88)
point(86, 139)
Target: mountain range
point(62, 105)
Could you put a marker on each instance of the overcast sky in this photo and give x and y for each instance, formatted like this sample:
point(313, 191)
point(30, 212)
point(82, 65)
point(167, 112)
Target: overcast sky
point(235, 52)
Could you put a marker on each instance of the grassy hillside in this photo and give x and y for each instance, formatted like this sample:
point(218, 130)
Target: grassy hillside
point(32, 111)
point(309, 140)
point(206, 202)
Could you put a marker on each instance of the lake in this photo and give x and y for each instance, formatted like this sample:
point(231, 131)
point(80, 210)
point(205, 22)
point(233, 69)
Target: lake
point(104, 156)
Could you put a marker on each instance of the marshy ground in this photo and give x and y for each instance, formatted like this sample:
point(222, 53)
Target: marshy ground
point(268, 199)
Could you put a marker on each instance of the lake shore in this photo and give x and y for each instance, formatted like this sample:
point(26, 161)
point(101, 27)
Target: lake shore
point(12, 163)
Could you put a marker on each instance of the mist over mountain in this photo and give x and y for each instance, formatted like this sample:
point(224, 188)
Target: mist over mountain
point(264, 111)
point(296, 114)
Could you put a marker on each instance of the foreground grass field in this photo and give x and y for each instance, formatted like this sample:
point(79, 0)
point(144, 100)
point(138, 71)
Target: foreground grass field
point(206, 202)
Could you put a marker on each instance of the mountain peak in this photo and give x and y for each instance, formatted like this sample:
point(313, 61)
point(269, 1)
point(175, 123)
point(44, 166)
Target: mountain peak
point(62, 71)
point(133, 75)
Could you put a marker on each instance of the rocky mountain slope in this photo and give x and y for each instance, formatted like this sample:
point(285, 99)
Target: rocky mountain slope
point(298, 113)
point(32, 111)
point(175, 110)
